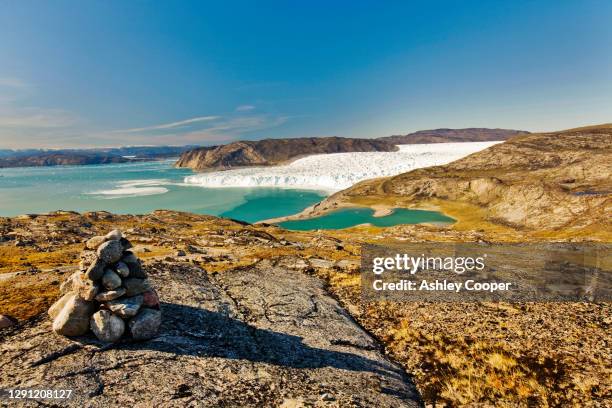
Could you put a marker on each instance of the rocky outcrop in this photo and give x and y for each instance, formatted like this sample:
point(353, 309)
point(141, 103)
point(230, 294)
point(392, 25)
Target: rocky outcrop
point(263, 335)
point(257, 316)
point(274, 151)
point(454, 135)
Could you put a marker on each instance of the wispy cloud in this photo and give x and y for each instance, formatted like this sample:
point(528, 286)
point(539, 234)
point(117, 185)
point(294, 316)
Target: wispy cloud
point(10, 82)
point(217, 129)
point(35, 118)
point(171, 125)
point(24, 125)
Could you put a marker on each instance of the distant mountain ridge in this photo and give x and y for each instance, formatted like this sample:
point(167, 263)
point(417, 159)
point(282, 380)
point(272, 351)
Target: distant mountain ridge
point(445, 135)
point(74, 157)
point(266, 152)
point(60, 159)
point(269, 152)
point(276, 151)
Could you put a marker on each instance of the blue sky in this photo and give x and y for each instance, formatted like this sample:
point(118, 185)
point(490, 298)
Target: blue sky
point(102, 73)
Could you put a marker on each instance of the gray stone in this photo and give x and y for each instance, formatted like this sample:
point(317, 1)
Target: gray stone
point(145, 325)
point(125, 244)
point(110, 251)
point(106, 326)
point(59, 304)
point(134, 264)
point(86, 289)
point(68, 284)
point(135, 286)
point(129, 258)
point(114, 235)
point(125, 307)
point(87, 258)
point(5, 321)
point(95, 242)
point(122, 269)
point(95, 270)
point(73, 319)
point(110, 280)
point(110, 295)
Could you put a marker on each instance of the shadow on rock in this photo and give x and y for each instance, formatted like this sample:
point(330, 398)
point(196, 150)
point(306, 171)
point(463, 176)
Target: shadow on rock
point(188, 330)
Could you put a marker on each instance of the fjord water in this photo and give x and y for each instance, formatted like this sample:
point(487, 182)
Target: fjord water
point(349, 217)
point(138, 188)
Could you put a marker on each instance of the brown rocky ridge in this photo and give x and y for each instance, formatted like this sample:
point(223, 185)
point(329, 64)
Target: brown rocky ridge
point(454, 135)
point(270, 152)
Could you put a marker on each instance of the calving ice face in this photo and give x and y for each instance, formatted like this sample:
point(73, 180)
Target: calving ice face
point(412, 264)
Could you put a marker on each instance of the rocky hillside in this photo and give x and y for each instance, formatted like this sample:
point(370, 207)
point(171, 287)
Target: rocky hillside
point(259, 316)
point(454, 135)
point(274, 151)
point(60, 159)
point(241, 327)
point(545, 181)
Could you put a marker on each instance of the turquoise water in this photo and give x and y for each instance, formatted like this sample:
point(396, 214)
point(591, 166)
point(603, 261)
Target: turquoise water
point(137, 188)
point(354, 216)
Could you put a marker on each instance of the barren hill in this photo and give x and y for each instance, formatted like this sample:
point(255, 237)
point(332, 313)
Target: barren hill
point(454, 135)
point(274, 151)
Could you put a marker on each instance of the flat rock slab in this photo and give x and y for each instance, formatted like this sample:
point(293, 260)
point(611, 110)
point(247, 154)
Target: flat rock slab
point(262, 336)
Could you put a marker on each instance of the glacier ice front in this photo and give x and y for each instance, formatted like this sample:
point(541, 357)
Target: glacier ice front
point(337, 171)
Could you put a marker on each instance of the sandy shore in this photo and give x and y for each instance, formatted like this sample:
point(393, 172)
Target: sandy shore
point(381, 211)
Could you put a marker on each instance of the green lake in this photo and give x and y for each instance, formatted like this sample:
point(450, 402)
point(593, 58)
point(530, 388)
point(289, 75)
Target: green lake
point(350, 217)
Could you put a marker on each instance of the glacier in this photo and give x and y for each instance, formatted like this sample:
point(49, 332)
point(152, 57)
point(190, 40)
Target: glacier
point(337, 171)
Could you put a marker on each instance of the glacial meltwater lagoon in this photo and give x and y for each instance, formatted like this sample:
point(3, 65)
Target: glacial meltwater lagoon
point(139, 188)
point(349, 217)
point(249, 195)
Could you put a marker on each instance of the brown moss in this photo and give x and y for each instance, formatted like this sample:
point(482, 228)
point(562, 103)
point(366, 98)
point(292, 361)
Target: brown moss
point(29, 295)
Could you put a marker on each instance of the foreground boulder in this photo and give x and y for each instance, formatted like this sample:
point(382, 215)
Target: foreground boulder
point(73, 318)
point(106, 326)
point(111, 286)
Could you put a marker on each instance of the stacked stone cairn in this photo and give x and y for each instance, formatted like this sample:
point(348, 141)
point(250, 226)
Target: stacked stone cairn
point(110, 294)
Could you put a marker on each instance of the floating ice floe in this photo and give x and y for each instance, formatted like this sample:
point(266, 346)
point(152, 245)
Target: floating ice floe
point(337, 171)
point(134, 188)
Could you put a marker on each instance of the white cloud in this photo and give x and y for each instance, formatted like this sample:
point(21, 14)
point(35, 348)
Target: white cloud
point(24, 125)
point(172, 125)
